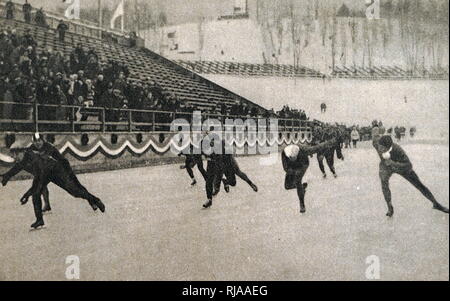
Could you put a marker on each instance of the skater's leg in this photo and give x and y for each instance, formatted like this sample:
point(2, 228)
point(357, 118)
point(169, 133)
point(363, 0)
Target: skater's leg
point(320, 158)
point(238, 172)
point(301, 196)
point(210, 174)
point(339, 153)
point(230, 177)
point(37, 205)
point(69, 182)
point(330, 162)
point(217, 181)
point(415, 181)
point(200, 167)
point(211, 170)
point(244, 177)
point(189, 165)
point(46, 196)
point(301, 188)
point(385, 175)
point(38, 183)
point(191, 174)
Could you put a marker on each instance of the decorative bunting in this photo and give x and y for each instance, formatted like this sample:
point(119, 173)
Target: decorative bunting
point(100, 144)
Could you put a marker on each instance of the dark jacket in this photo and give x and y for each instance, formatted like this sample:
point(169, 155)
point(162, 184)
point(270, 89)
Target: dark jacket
point(303, 156)
point(400, 161)
point(37, 161)
point(48, 151)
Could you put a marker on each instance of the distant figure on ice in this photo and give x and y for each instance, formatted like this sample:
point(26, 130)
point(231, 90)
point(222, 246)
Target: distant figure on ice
point(355, 137)
point(347, 138)
point(49, 165)
point(395, 161)
point(295, 160)
point(397, 133)
point(412, 132)
point(323, 108)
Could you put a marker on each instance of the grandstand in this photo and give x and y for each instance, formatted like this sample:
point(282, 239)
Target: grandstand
point(144, 65)
point(90, 139)
point(283, 70)
point(245, 69)
point(390, 72)
point(339, 46)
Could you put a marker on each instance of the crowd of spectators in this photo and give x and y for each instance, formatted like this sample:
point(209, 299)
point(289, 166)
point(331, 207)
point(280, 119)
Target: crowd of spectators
point(47, 77)
point(288, 113)
point(29, 77)
point(355, 133)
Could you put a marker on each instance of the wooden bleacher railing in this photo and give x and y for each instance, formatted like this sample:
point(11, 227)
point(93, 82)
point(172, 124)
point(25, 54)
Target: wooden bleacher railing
point(30, 118)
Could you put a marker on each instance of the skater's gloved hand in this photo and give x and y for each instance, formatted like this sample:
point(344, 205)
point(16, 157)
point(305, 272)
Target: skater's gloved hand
point(24, 200)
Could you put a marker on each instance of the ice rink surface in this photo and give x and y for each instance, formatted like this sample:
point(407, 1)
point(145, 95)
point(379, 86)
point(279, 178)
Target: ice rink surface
point(154, 227)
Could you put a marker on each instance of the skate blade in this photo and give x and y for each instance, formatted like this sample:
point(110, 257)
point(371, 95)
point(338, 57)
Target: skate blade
point(37, 229)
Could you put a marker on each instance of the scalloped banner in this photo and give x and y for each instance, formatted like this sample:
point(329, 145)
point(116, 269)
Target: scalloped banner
point(71, 145)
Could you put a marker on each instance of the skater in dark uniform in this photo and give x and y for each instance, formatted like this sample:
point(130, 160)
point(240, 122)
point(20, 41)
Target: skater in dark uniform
point(191, 161)
point(49, 165)
point(295, 160)
point(230, 169)
point(223, 168)
point(18, 153)
point(395, 161)
point(214, 174)
point(327, 134)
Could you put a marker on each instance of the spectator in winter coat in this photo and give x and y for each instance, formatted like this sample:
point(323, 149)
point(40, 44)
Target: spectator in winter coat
point(355, 137)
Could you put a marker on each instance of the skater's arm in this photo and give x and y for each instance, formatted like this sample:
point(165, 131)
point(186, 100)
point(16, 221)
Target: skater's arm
point(311, 150)
point(55, 154)
point(18, 167)
point(284, 160)
point(399, 160)
point(399, 166)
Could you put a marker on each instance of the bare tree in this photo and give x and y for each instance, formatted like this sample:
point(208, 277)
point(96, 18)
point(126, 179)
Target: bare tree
point(324, 17)
point(343, 38)
point(201, 36)
point(353, 25)
point(333, 34)
point(265, 10)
